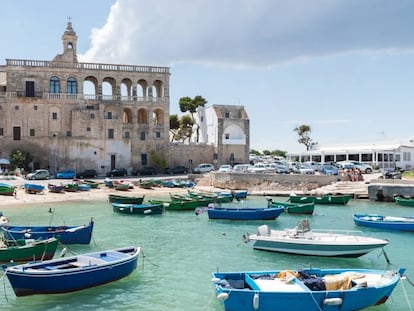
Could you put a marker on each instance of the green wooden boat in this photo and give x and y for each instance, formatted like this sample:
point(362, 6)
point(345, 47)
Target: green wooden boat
point(176, 205)
point(71, 187)
point(404, 201)
point(113, 198)
point(328, 199)
point(201, 201)
point(293, 208)
point(6, 189)
point(27, 250)
point(218, 197)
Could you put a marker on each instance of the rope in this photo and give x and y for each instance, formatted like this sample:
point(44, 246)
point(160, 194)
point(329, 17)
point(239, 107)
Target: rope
point(405, 292)
point(4, 286)
point(143, 257)
point(409, 281)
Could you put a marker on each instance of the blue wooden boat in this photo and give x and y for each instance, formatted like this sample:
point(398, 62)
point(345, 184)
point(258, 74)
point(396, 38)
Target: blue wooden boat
point(65, 234)
point(384, 222)
point(143, 209)
point(307, 289)
point(73, 273)
point(33, 188)
point(239, 194)
point(242, 213)
point(84, 187)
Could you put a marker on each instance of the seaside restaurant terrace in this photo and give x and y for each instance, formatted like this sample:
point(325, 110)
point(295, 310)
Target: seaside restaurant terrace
point(381, 156)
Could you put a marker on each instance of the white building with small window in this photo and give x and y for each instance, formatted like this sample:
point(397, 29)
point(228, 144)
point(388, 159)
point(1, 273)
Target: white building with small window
point(226, 128)
point(381, 155)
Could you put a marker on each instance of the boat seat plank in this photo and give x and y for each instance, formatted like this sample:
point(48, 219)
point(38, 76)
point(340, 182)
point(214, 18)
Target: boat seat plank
point(277, 285)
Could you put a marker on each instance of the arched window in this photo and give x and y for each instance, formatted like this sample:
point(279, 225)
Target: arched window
point(54, 85)
point(72, 86)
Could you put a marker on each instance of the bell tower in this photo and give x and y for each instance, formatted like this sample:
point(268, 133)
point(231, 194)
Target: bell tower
point(69, 40)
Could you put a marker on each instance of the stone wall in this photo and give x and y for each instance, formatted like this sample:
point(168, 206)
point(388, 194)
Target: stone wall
point(269, 182)
point(190, 155)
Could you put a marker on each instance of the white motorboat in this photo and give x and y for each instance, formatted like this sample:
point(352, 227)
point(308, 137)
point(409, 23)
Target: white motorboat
point(303, 241)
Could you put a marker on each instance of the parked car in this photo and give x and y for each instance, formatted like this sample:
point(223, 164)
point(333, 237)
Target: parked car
point(305, 169)
point(87, 174)
point(179, 169)
point(146, 170)
point(315, 165)
point(328, 169)
point(203, 168)
point(38, 174)
point(117, 172)
point(364, 168)
point(225, 168)
point(241, 168)
point(66, 174)
point(281, 169)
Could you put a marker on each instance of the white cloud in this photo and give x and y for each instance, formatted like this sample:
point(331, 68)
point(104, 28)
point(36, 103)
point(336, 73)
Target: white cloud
point(248, 32)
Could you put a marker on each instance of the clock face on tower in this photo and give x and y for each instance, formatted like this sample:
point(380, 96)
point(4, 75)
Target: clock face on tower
point(70, 45)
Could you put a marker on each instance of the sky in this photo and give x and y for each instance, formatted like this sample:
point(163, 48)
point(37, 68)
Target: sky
point(343, 67)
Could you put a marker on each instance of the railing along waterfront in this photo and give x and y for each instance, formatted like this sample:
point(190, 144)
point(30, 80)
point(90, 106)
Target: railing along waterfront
point(86, 66)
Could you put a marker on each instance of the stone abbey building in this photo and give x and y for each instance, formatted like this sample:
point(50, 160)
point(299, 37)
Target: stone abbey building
point(69, 114)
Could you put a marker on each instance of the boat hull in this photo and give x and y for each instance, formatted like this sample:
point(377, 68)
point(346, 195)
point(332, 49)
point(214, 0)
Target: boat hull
point(125, 199)
point(266, 291)
point(384, 222)
point(6, 189)
point(65, 234)
point(39, 250)
point(295, 208)
point(244, 213)
point(50, 280)
point(404, 201)
point(325, 199)
point(177, 205)
point(142, 209)
point(33, 188)
point(316, 249)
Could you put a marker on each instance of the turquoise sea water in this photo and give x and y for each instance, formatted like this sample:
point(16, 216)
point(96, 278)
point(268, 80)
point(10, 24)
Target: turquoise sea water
point(182, 249)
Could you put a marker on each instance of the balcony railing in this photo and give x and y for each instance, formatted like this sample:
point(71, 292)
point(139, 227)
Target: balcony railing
point(86, 66)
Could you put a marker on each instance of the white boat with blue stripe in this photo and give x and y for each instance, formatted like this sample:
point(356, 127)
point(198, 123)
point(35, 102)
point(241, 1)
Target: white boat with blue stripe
point(302, 241)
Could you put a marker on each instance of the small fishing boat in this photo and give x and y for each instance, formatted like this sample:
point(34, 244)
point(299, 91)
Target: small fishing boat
point(307, 289)
point(74, 273)
point(56, 188)
point(84, 187)
point(328, 199)
point(144, 209)
point(404, 201)
point(293, 208)
point(92, 183)
point(239, 194)
point(396, 223)
point(176, 205)
point(217, 197)
point(27, 249)
point(65, 234)
point(113, 198)
point(71, 187)
point(33, 188)
point(6, 189)
point(122, 185)
point(302, 241)
point(201, 200)
point(145, 184)
point(216, 211)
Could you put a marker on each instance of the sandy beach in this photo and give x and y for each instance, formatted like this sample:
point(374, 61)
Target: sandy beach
point(100, 194)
